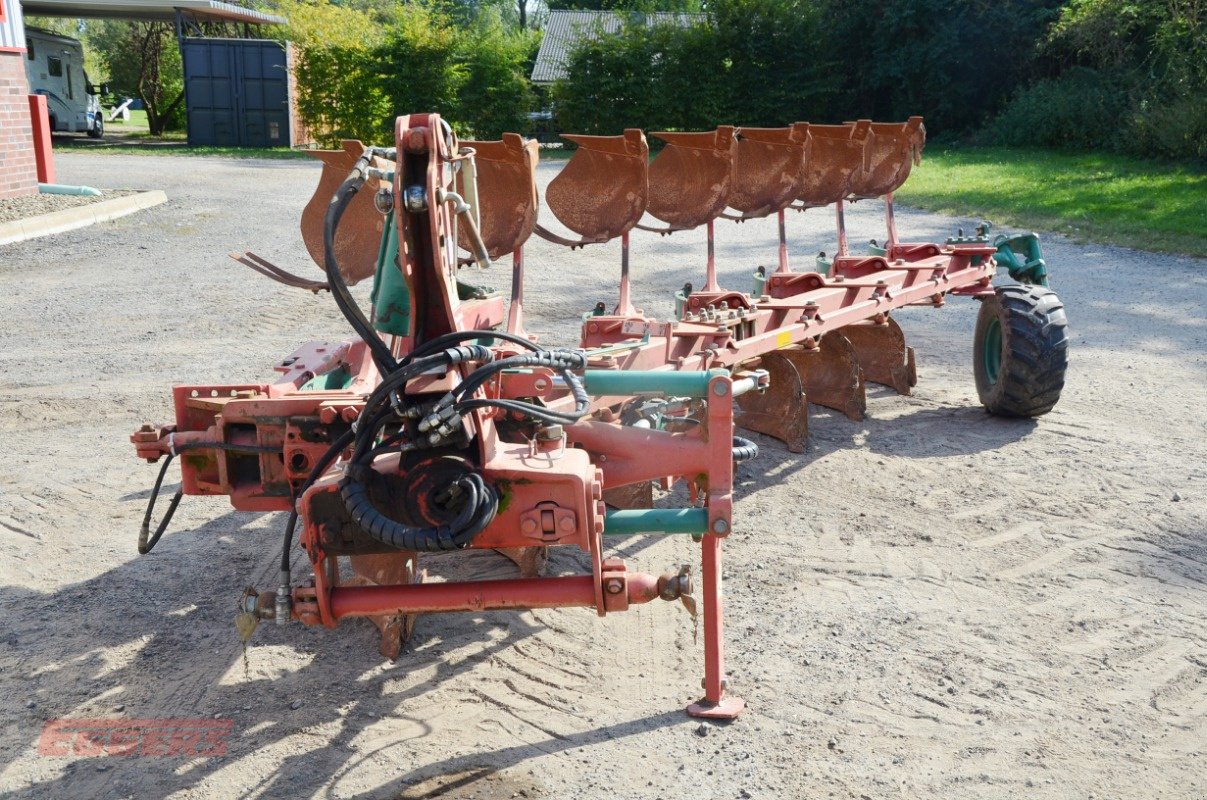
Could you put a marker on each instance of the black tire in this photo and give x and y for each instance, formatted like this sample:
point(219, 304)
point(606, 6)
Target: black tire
point(98, 128)
point(1021, 351)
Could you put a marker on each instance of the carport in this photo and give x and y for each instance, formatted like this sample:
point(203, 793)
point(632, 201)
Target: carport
point(237, 87)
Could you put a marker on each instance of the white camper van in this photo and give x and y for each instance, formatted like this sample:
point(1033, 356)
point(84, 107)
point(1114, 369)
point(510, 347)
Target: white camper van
point(55, 67)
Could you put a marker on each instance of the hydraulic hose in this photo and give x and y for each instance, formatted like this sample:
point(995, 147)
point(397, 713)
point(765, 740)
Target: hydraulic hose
point(339, 288)
point(480, 502)
point(478, 510)
point(146, 539)
point(337, 447)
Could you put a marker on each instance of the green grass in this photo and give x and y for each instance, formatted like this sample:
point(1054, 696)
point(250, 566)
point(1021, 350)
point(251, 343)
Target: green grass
point(1090, 197)
point(162, 148)
point(134, 138)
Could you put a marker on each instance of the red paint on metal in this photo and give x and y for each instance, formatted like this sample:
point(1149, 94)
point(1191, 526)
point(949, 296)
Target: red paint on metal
point(817, 334)
point(575, 591)
point(39, 115)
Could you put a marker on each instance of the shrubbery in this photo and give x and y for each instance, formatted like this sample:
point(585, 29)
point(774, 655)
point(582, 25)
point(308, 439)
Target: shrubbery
point(769, 62)
point(1116, 74)
point(358, 67)
point(1129, 76)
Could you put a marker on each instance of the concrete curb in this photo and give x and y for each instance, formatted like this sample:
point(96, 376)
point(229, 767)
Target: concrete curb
point(81, 217)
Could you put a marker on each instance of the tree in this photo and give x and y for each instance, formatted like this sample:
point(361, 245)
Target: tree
point(143, 60)
point(496, 96)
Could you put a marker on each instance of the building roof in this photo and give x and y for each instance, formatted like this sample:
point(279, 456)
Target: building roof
point(149, 9)
point(565, 29)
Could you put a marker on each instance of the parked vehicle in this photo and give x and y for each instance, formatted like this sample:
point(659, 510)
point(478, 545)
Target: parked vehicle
point(55, 68)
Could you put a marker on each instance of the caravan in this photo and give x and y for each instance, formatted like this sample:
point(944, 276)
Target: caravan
point(55, 67)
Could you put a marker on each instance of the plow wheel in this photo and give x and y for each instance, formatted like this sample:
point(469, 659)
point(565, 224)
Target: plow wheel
point(1021, 351)
point(883, 355)
point(388, 569)
point(831, 375)
point(779, 412)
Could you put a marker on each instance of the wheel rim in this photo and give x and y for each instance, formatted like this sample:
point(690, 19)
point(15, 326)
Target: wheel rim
point(991, 350)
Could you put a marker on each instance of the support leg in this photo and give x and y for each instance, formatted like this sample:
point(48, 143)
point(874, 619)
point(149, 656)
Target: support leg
point(515, 312)
point(890, 223)
point(842, 228)
point(710, 275)
point(715, 704)
point(625, 307)
point(783, 267)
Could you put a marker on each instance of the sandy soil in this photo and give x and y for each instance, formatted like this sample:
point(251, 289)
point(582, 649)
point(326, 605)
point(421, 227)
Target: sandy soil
point(930, 603)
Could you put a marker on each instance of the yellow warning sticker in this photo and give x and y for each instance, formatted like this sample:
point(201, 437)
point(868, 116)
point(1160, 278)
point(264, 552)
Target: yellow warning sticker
point(783, 340)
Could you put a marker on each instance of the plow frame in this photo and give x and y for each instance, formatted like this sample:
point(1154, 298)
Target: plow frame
point(812, 336)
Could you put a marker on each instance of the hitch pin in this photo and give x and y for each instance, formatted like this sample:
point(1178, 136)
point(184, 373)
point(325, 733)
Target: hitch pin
point(758, 380)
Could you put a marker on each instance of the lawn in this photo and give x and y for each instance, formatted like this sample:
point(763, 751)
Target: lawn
point(134, 137)
point(1089, 197)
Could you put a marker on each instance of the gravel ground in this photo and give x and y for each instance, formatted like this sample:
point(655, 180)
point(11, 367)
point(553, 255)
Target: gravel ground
point(929, 603)
point(36, 205)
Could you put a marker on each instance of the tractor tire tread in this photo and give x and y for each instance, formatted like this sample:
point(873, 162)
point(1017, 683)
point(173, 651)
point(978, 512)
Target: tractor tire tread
point(1034, 351)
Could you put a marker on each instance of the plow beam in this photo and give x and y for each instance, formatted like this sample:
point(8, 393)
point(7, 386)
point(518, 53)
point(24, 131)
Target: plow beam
point(781, 411)
point(883, 354)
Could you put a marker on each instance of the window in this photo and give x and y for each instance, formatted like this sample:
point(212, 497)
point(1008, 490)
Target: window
point(54, 66)
point(29, 46)
point(70, 90)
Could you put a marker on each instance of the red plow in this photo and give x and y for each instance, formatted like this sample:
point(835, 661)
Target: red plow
point(444, 426)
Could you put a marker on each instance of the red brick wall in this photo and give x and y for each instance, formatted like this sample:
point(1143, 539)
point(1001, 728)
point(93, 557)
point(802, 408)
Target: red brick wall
point(18, 173)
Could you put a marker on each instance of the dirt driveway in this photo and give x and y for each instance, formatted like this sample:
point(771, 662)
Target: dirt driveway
point(930, 603)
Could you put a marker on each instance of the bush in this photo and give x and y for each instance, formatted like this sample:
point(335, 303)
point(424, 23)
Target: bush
point(356, 72)
point(750, 62)
point(1170, 128)
point(340, 95)
point(1133, 80)
point(1081, 109)
point(496, 95)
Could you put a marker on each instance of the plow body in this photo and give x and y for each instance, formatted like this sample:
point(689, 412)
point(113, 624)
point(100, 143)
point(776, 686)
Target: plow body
point(443, 426)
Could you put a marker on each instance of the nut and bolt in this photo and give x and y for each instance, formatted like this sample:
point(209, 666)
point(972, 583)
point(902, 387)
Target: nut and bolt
point(550, 433)
point(614, 586)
